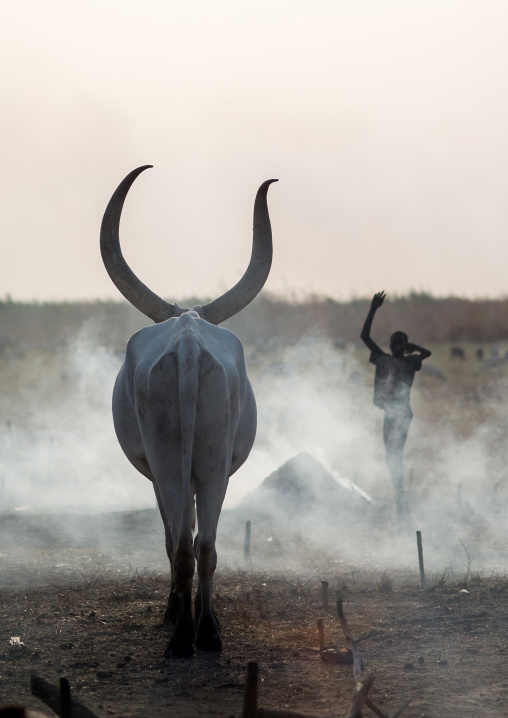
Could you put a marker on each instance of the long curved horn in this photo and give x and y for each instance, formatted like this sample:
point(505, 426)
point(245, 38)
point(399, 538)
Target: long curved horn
point(257, 272)
point(123, 277)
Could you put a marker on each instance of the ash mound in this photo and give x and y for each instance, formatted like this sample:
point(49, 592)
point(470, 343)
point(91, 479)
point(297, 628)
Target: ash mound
point(304, 487)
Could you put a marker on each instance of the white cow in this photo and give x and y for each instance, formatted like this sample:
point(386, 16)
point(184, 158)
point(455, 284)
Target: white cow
point(185, 414)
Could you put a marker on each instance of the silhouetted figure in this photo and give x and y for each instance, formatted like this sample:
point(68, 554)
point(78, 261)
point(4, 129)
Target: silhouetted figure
point(394, 377)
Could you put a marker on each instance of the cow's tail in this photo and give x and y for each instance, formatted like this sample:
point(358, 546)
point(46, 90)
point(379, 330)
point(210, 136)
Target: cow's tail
point(188, 361)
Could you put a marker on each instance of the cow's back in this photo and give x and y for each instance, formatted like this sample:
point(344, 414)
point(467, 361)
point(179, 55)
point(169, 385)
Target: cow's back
point(151, 388)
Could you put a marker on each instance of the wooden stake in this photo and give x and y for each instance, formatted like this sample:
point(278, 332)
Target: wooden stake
point(246, 544)
point(420, 557)
point(65, 699)
point(324, 586)
point(250, 697)
point(321, 634)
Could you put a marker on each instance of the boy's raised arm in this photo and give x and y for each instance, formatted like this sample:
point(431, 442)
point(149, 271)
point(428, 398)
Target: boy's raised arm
point(377, 301)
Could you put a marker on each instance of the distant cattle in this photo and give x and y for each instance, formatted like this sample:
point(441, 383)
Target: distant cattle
point(480, 353)
point(433, 371)
point(457, 353)
point(493, 362)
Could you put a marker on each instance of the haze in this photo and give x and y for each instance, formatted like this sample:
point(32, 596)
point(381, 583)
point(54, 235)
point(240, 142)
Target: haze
point(384, 121)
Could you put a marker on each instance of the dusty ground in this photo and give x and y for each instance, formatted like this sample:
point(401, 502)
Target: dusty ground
point(82, 614)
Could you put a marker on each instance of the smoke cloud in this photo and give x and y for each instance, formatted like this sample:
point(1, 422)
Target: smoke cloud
point(60, 452)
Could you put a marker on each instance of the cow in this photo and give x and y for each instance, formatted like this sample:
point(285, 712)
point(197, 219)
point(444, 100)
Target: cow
point(457, 353)
point(185, 415)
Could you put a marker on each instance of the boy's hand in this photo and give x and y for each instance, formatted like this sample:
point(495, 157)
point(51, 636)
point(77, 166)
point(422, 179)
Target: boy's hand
point(377, 300)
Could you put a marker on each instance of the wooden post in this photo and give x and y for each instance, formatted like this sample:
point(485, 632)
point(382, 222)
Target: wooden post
point(246, 543)
point(324, 586)
point(420, 557)
point(250, 697)
point(321, 634)
point(65, 699)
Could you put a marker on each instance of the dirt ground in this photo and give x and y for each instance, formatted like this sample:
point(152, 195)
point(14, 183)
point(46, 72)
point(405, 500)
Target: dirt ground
point(80, 613)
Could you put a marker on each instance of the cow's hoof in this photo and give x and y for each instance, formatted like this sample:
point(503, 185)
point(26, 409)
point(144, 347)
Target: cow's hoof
point(208, 638)
point(209, 643)
point(170, 616)
point(178, 648)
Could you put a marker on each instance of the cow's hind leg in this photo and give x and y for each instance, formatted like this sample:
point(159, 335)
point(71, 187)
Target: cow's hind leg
point(209, 503)
point(197, 607)
point(197, 599)
point(182, 561)
point(171, 613)
point(182, 641)
point(208, 626)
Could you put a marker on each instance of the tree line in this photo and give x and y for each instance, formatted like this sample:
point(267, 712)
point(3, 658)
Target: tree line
point(431, 319)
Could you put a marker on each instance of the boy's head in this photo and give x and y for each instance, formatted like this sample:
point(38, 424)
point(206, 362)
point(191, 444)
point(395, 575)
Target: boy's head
point(398, 341)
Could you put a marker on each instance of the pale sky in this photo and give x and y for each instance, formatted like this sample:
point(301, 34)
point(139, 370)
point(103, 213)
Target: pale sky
point(385, 121)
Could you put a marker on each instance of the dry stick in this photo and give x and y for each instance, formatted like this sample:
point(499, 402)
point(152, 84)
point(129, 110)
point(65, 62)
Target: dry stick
point(375, 709)
point(357, 668)
point(50, 695)
point(250, 697)
point(324, 587)
point(361, 697)
point(396, 715)
point(420, 557)
point(357, 659)
point(321, 634)
point(246, 544)
point(362, 687)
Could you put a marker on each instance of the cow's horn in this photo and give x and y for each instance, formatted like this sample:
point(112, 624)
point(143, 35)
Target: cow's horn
point(257, 272)
point(123, 277)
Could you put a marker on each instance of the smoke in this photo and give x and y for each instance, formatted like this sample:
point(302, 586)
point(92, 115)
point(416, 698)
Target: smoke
point(58, 444)
point(310, 397)
point(316, 397)
point(60, 453)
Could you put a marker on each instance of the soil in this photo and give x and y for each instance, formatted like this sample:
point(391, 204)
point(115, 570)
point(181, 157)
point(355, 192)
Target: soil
point(81, 612)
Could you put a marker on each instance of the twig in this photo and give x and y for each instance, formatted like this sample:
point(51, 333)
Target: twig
point(468, 565)
point(360, 697)
point(375, 709)
point(357, 659)
point(395, 715)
